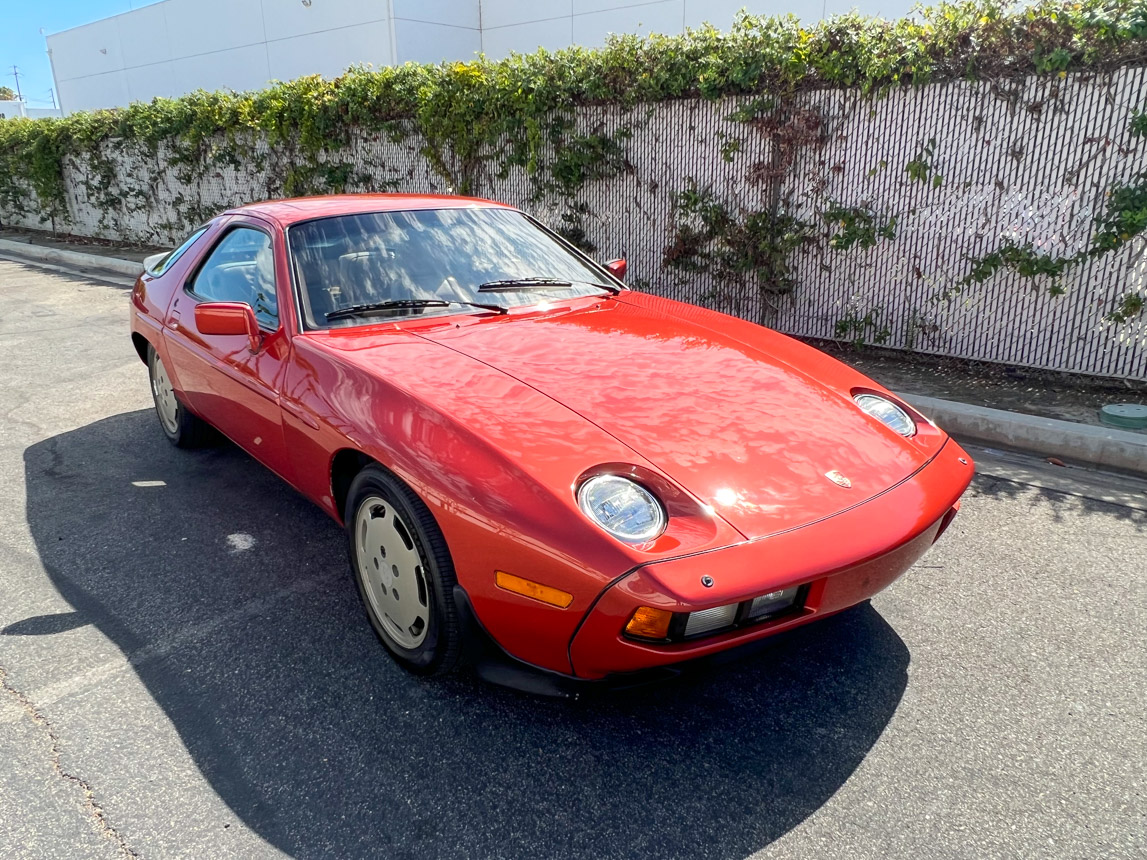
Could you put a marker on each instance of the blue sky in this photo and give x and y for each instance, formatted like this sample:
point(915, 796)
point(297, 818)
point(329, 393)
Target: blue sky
point(22, 44)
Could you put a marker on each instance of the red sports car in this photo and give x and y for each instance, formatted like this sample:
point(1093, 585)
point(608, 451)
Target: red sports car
point(538, 469)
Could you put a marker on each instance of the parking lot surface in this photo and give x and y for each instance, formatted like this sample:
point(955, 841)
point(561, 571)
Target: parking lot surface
point(186, 672)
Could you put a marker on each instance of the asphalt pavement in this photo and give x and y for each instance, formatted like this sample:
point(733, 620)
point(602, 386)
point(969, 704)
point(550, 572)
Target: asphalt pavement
point(186, 671)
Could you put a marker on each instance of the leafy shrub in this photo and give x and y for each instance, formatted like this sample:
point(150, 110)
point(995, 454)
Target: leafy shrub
point(473, 114)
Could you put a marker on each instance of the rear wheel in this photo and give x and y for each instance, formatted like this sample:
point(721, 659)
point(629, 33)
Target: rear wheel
point(180, 427)
point(403, 571)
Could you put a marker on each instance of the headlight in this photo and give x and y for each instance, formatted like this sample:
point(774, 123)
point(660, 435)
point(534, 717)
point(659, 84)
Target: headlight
point(887, 413)
point(622, 507)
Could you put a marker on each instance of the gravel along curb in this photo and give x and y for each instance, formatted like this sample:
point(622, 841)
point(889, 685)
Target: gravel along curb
point(1102, 447)
point(70, 259)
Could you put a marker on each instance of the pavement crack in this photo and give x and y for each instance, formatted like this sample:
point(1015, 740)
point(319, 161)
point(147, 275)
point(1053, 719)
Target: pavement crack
point(96, 813)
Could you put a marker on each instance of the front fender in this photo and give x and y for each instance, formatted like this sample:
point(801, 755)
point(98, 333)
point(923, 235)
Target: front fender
point(496, 462)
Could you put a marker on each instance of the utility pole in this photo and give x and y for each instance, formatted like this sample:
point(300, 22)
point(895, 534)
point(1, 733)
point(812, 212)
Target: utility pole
point(52, 93)
point(16, 75)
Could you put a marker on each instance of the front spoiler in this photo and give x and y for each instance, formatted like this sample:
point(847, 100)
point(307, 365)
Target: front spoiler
point(493, 664)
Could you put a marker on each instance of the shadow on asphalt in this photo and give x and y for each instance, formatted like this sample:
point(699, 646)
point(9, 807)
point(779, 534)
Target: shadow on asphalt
point(1063, 506)
point(265, 664)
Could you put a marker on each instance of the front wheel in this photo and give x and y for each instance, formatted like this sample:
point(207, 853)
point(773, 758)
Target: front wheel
point(180, 427)
point(403, 571)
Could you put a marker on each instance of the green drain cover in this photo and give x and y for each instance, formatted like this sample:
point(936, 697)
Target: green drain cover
point(1132, 416)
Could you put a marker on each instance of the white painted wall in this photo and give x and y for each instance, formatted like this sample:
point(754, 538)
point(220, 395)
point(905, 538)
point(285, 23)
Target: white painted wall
point(177, 46)
point(12, 109)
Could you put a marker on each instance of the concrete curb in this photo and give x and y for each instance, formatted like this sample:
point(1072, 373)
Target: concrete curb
point(1102, 447)
point(70, 259)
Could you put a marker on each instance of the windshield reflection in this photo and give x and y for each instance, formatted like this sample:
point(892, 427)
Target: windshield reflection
point(428, 254)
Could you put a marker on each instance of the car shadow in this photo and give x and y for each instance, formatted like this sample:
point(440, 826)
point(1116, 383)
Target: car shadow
point(231, 597)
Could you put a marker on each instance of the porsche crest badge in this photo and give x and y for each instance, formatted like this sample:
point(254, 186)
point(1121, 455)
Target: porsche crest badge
point(838, 478)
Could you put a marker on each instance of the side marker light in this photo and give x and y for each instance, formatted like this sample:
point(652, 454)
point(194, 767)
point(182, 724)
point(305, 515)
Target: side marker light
point(533, 590)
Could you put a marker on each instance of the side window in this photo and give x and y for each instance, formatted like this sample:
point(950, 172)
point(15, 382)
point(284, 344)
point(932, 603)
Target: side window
point(241, 268)
point(173, 257)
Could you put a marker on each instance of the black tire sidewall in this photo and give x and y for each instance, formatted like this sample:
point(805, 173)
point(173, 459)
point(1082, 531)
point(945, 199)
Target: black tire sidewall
point(436, 649)
point(190, 430)
point(175, 438)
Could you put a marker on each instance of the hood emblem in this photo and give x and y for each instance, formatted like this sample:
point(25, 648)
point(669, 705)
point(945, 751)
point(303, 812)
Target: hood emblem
point(838, 478)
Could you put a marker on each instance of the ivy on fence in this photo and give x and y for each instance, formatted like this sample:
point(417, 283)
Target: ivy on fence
point(480, 116)
point(1124, 218)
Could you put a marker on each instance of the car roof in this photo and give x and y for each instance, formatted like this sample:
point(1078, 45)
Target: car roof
point(296, 209)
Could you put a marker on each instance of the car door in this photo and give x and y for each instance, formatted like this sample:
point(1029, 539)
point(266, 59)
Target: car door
point(235, 388)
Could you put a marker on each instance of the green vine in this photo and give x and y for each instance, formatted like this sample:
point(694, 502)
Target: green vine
point(862, 331)
point(1139, 123)
point(594, 156)
point(1124, 218)
point(1129, 307)
point(755, 247)
point(858, 226)
point(571, 227)
point(306, 178)
point(920, 168)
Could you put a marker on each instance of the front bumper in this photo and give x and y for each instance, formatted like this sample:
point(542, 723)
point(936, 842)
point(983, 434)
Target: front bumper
point(843, 560)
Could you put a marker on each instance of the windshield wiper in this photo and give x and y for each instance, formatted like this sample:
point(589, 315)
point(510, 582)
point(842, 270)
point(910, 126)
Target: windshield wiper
point(404, 304)
point(510, 284)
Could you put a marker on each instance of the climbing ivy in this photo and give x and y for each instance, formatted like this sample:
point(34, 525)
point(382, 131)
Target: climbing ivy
point(862, 331)
point(1124, 218)
point(588, 157)
point(1139, 123)
point(735, 247)
point(1129, 307)
point(479, 117)
point(306, 178)
point(571, 227)
point(858, 225)
point(920, 167)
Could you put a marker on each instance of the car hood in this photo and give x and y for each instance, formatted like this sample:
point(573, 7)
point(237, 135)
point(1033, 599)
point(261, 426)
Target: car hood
point(731, 422)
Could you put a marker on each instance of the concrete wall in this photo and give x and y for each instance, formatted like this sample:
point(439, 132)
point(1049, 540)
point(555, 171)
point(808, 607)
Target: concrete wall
point(177, 46)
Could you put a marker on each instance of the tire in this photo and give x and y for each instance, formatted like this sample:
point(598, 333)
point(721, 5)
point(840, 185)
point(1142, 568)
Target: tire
point(182, 429)
point(403, 571)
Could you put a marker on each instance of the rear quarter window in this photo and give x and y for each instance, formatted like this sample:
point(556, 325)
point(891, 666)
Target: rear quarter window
point(172, 258)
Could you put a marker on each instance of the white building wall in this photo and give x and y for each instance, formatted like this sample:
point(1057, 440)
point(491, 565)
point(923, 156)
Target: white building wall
point(12, 109)
point(178, 46)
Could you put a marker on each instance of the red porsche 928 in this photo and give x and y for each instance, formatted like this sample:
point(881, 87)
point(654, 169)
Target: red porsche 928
point(538, 470)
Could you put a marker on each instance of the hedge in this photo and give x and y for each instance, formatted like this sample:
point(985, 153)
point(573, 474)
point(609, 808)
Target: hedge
point(464, 111)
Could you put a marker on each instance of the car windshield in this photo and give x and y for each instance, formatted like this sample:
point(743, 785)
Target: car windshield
point(356, 269)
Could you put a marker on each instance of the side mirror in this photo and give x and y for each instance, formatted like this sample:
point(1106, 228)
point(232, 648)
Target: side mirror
point(229, 318)
point(617, 268)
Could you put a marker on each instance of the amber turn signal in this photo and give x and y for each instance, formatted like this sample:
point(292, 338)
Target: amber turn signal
point(649, 623)
point(533, 590)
